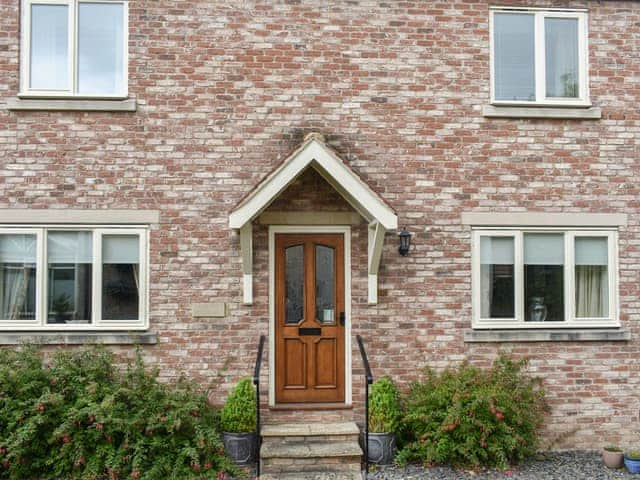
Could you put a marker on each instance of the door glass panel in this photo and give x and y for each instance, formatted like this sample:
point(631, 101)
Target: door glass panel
point(325, 284)
point(294, 284)
point(18, 277)
point(69, 273)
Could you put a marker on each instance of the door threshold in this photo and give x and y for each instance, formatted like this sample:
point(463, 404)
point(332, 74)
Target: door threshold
point(310, 406)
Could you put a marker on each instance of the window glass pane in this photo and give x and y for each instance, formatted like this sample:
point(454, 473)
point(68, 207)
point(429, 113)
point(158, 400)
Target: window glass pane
point(69, 277)
point(100, 48)
point(49, 47)
point(561, 53)
point(120, 277)
point(497, 295)
point(514, 56)
point(592, 277)
point(544, 277)
point(18, 277)
point(294, 284)
point(325, 281)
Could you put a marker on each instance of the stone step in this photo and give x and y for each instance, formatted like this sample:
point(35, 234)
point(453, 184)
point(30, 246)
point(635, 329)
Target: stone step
point(313, 475)
point(309, 429)
point(310, 449)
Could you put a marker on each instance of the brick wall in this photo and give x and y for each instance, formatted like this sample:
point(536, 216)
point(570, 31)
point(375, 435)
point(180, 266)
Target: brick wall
point(226, 89)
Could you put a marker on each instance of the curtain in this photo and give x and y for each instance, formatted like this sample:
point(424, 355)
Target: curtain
point(15, 285)
point(591, 291)
point(486, 291)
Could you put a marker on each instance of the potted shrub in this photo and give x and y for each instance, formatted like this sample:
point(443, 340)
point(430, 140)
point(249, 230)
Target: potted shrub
point(238, 421)
point(384, 415)
point(612, 456)
point(632, 461)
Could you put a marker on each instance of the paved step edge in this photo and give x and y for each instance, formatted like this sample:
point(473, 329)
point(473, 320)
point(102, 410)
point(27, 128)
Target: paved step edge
point(313, 476)
point(309, 429)
point(310, 449)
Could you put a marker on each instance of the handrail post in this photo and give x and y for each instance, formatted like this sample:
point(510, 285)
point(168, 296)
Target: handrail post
point(256, 382)
point(368, 381)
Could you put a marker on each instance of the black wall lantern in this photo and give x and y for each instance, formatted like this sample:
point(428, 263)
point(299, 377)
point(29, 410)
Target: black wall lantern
point(405, 242)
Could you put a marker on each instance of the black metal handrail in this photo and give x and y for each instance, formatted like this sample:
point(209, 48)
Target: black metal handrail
point(368, 381)
point(256, 382)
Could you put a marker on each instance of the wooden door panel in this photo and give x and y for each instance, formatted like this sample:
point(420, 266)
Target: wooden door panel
point(325, 363)
point(309, 297)
point(295, 364)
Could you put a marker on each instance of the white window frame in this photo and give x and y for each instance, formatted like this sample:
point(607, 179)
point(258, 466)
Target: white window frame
point(25, 48)
point(569, 279)
point(540, 15)
point(97, 322)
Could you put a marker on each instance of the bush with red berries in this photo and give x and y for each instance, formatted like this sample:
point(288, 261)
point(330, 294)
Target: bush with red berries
point(80, 416)
point(469, 417)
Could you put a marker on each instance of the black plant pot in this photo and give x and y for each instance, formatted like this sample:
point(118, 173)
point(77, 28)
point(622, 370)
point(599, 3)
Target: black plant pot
point(241, 447)
point(381, 448)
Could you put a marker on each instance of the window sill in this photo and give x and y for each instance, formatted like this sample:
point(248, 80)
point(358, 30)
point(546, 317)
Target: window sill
point(548, 335)
point(66, 104)
point(78, 338)
point(571, 113)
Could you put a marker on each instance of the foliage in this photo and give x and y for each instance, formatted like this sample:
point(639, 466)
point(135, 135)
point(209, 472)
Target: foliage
point(239, 412)
point(632, 455)
point(612, 448)
point(472, 417)
point(83, 418)
point(384, 406)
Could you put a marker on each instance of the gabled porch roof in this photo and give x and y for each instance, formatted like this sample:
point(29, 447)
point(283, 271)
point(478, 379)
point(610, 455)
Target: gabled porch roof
point(315, 153)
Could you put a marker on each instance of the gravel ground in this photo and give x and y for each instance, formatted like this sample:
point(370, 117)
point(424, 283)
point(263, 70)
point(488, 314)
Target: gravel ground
point(548, 466)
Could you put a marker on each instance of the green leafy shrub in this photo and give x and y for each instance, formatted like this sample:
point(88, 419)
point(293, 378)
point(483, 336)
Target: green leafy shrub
point(473, 417)
point(239, 412)
point(84, 418)
point(384, 406)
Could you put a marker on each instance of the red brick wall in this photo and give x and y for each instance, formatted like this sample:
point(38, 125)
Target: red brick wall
point(226, 89)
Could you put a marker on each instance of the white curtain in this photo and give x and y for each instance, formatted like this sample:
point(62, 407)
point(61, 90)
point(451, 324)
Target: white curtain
point(591, 291)
point(14, 291)
point(592, 284)
point(17, 259)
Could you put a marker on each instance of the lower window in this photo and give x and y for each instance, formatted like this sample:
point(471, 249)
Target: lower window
point(544, 278)
point(72, 278)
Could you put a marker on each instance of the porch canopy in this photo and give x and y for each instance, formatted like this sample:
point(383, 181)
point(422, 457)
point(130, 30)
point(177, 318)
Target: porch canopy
point(315, 153)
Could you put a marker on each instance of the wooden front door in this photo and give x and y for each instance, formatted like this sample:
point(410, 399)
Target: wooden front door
point(309, 318)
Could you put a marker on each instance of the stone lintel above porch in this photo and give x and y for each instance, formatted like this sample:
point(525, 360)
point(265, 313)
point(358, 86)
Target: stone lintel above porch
point(314, 154)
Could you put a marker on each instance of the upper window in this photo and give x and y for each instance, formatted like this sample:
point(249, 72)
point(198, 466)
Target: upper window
point(66, 277)
point(539, 57)
point(74, 48)
point(544, 278)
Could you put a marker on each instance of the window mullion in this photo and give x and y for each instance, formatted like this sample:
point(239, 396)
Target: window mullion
point(519, 277)
point(73, 57)
point(97, 277)
point(614, 294)
point(583, 58)
point(570, 280)
point(539, 53)
point(41, 278)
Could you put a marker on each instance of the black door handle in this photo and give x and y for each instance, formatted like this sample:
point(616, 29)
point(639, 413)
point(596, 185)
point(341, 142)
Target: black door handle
point(342, 319)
